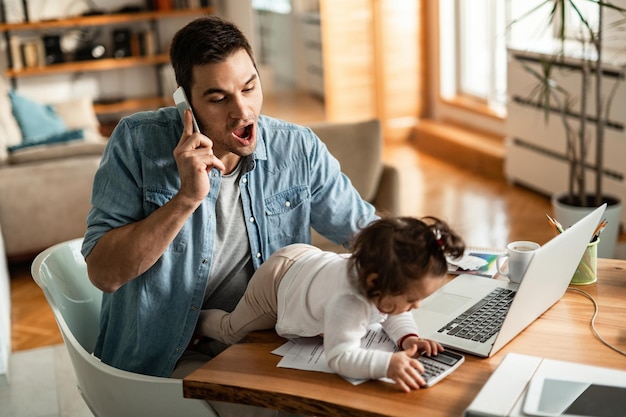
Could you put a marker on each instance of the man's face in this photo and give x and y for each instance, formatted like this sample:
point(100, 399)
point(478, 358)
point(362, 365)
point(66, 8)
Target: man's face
point(227, 100)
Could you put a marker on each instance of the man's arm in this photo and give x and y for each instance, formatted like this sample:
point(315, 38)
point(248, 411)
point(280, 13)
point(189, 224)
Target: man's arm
point(126, 252)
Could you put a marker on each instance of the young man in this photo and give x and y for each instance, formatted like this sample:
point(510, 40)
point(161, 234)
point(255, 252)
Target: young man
point(181, 219)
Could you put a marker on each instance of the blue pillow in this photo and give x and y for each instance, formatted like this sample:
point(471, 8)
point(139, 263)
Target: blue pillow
point(65, 136)
point(36, 121)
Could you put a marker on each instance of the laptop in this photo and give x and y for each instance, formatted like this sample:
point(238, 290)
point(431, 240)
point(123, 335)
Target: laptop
point(545, 281)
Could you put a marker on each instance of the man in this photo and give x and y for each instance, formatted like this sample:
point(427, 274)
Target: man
point(170, 235)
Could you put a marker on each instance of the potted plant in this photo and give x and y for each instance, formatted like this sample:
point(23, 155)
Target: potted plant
point(584, 46)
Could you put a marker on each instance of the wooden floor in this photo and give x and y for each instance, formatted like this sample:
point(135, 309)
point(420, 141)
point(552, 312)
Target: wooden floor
point(485, 211)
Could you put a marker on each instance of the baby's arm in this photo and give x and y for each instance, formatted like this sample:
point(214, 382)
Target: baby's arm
point(346, 318)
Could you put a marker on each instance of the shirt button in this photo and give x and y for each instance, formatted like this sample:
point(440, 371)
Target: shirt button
point(251, 219)
point(258, 255)
point(214, 175)
point(244, 180)
point(178, 349)
point(194, 308)
point(287, 203)
point(205, 260)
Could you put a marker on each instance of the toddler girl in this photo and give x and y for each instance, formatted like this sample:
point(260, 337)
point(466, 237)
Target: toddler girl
point(303, 291)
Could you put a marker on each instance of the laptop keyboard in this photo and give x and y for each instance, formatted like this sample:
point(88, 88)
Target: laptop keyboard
point(483, 319)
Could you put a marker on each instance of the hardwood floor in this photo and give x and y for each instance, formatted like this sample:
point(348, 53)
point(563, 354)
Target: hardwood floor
point(487, 212)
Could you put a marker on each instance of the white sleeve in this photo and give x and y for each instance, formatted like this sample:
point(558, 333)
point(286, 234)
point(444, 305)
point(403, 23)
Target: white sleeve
point(346, 319)
point(399, 325)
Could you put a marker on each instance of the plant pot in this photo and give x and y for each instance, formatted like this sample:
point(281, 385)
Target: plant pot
point(567, 215)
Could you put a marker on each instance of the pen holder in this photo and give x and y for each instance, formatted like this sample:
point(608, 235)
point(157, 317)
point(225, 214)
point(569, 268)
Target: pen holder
point(587, 270)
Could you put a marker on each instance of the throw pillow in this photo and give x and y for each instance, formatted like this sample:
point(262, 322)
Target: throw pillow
point(78, 113)
point(36, 121)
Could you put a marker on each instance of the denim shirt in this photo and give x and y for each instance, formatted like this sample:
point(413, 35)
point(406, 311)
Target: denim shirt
point(290, 184)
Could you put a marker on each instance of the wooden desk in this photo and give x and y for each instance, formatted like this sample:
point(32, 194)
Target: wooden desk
point(246, 373)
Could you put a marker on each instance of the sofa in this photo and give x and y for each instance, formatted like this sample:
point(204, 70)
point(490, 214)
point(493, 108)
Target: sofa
point(45, 178)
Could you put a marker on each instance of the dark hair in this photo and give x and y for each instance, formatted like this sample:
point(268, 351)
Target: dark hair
point(400, 250)
point(206, 40)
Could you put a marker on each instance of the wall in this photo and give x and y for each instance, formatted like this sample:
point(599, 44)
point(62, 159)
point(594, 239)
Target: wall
point(5, 316)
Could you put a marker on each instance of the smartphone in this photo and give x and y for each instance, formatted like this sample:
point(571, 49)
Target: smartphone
point(182, 104)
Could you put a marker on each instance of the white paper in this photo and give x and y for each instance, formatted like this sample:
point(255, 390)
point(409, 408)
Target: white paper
point(308, 353)
point(468, 262)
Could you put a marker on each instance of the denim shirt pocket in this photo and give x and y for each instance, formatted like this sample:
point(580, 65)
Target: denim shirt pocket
point(288, 215)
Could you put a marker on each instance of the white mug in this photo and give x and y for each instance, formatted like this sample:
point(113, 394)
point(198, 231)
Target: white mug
point(519, 254)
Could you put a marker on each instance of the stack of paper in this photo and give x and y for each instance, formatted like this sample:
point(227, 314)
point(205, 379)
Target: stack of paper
point(308, 353)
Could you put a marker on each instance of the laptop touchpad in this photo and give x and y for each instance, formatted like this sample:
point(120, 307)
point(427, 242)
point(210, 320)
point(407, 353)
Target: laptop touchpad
point(446, 303)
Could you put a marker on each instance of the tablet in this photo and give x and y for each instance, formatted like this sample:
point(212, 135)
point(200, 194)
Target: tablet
point(551, 397)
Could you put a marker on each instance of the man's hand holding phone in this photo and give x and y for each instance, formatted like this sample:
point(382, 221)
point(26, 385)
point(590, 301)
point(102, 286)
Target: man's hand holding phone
point(195, 158)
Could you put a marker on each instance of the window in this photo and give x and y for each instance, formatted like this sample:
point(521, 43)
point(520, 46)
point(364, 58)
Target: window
point(470, 40)
point(275, 6)
point(472, 36)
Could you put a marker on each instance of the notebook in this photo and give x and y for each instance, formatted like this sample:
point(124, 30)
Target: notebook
point(544, 283)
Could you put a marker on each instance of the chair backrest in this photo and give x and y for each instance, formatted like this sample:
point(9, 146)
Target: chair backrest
point(61, 273)
point(358, 148)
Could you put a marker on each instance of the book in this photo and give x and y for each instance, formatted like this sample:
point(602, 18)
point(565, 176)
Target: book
point(15, 44)
point(476, 261)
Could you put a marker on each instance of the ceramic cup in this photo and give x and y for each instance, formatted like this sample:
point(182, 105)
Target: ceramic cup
point(519, 254)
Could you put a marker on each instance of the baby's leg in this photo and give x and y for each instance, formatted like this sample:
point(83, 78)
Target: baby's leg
point(257, 308)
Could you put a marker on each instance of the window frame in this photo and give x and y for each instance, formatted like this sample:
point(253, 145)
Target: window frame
point(458, 109)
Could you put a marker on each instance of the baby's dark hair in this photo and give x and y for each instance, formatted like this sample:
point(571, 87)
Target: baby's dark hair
point(400, 250)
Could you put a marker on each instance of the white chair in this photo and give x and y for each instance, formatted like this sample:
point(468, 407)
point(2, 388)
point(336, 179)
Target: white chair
point(61, 273)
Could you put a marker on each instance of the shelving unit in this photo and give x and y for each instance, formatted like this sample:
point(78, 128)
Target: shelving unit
point(157, 59)
point(311, 33)
point(104, 64)
point(104, 19)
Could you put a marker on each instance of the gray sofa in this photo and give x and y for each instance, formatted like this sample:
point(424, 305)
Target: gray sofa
point(45, 189)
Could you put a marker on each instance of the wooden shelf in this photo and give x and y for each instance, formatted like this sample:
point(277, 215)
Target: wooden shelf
point(131, 104)
point(124, 105)
point(104, 19)
point(92, 65)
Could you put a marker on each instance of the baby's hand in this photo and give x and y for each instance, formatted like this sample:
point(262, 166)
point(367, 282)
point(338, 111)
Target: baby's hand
point(405, 370)
point(426, 346)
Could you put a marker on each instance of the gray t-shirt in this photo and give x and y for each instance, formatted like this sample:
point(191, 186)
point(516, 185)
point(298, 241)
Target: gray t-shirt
point(232, 263)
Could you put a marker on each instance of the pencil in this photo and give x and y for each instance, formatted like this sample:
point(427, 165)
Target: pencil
point(552, 225)
point(558, 228)
point(601, 226)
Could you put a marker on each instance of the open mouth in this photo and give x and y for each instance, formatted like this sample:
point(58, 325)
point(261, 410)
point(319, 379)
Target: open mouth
point(244, 132)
